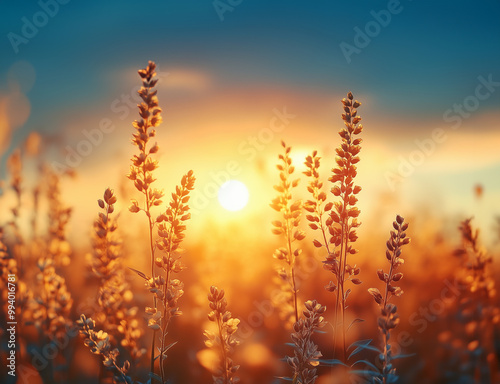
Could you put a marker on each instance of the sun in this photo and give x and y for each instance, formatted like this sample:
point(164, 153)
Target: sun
point(233, 195)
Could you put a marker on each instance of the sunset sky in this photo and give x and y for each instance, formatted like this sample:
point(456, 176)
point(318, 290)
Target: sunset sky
point(426, 72)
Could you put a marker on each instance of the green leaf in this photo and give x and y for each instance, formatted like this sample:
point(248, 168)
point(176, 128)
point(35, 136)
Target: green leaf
point(403, 356)
point(358, 320)
point(318, 331)
point(331, 362)
point(371, 365)
point(392, 378)
point(153, 375)
point(139, 273)
point(360, 346)
point(359, 342)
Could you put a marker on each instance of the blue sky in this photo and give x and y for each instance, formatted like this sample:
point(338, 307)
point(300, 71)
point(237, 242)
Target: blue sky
point(427, 54)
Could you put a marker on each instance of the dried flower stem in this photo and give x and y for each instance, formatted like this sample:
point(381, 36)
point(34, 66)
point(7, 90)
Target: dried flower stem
point(389, 318)
point(143, 165)
point(53, 307)
point(55, 301)
point(477, 307)
point(14, 164)
point(58, 218)
point(104, 261)
point(165, 289)
point(99, 344)
point(315, 206)
point(224, 339)
point(342, 220)
point(170, 231)
point(288, 226)
point(114, 291)
point(306, 353)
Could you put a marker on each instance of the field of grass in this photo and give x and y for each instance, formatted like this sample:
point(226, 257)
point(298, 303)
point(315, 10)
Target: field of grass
point(313, 293)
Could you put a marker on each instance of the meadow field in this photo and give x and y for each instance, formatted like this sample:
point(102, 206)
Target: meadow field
point(223, 191)
point(310, 291)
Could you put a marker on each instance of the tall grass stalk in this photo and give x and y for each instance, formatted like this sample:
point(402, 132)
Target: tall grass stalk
point(224, 339)
point(341, 222)
point(288, 225)
point(99, 344)
point(113, 314)
point(478, 309)
point(306, 353)
point(171, 227)
point(389, 318)
point(143, 164)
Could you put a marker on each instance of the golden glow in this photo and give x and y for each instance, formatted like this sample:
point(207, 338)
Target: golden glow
point(233, 195)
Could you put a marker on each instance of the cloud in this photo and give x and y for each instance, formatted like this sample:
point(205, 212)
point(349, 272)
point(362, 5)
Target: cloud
point(15, 110)
point(178, 79)
point(465, 151)
point(183, 79)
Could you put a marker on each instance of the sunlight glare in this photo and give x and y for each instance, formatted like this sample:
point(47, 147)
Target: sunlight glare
point(233, 195)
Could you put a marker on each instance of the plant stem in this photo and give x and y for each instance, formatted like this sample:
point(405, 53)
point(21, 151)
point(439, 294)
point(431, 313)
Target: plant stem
point(292, 267)
point(386, 298)
point(166, 319)
point(152, 250)
point(341, 292)
point(223, 348)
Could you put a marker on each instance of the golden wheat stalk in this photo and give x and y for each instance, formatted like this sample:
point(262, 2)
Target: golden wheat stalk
point(478, 308)
point(143, 164)
point(224, 339)
point(288, 225)
point(171, 227)
point(339, 229)
point(99, 344)
point(113, 314)
point(389, 318)
point(306, 353)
